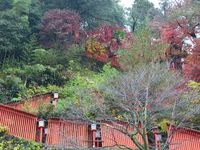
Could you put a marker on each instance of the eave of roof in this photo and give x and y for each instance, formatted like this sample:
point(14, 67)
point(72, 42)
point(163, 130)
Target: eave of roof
point(25, 99)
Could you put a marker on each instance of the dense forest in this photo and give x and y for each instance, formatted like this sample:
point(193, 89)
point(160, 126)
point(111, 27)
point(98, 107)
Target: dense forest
point(43, 44)
point(104, 59)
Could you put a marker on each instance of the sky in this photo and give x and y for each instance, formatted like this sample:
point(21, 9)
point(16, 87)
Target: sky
point(128, 3)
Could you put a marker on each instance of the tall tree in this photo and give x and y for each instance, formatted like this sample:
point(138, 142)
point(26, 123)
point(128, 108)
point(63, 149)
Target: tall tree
point(140, 10)
point(36, 11)
point(60, 27)
point(164, 5)
point(141, 51)
point(191, 67)
point(181, 31)
point(139, 98)
point(14, 28)
point(92, 12)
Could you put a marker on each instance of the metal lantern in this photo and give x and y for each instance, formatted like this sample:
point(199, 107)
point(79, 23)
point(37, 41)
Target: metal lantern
point(41, 123)
point(93, 127)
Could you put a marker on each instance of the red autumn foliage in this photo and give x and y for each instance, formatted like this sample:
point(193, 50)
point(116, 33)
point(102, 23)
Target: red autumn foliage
point(192, 63)
point(174, 33)
point(176, 30)
point(61, 26)
point(114, 61)
point(109, 40)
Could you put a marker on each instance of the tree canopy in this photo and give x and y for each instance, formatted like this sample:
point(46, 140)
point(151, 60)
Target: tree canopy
point(92, 12)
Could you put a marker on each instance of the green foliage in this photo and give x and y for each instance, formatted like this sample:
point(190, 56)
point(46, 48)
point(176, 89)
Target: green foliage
point(45, 57)
point(46, 67)
point(83, 89)
point(14, 30)
point(10, 87)
point(5, 4)
point(141, 10)
point(44, 111)
point(16, 82)
point(3, 130)
point(163, 124)
point(36, 11)
point(107, 11)
point(21, 7)
point(142, 51)
point(8, 142)
point(74, 52)
point(194, 85)
point(194, 119)
point(30, 46)
point(120, 34)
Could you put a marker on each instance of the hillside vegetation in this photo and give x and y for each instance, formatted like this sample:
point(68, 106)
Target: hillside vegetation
point(139, 64)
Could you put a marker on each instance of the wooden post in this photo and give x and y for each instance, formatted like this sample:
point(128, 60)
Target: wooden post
point(157, 138)
point(41, 135)
point(41, 126)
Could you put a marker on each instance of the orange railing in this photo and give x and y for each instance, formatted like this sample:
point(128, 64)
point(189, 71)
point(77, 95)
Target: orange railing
point(112, 136)
point(185, 139)
point(19, 123)
point(75, 134)
point(66, 133)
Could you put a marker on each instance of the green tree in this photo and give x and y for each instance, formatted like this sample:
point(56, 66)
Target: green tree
point(36, 11)
point(142, 51)
point(14, 34)
point(140, 10)
point(164, 6)
point(14, 29)
point(92, 12)
point(21, 7)
point(5, 4)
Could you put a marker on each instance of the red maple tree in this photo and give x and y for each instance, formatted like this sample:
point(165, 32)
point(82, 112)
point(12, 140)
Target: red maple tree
point(104, 42)
point(191, 66)
point(175, 34)
point(60, 26)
